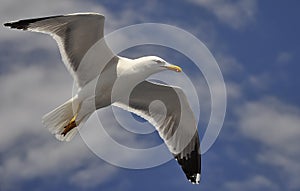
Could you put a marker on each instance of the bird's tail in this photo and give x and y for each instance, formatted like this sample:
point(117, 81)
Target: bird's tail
point(58, 120)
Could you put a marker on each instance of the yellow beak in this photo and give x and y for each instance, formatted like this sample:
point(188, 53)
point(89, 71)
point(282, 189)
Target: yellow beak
point(173, 67)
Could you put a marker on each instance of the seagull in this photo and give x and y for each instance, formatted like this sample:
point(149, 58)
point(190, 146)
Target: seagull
point(104, 78)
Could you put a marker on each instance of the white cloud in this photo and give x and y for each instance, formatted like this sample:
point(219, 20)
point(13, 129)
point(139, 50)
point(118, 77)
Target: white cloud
point(261, 81)
point(276, 126)
point(30, 150)
point(271, 122)
point(92, 176)
point(284, 57)
point(29, 93)
point(257, 182)
point(233, 13)
point(228, 64)
point(233, 90)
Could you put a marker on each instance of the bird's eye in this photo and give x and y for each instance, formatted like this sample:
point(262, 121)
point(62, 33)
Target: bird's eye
point(159, 61)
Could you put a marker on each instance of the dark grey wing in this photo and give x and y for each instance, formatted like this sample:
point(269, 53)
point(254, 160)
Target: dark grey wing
point(167, 109)
point(75, 34)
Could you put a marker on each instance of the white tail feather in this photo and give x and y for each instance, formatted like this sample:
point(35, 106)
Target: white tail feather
point(56, 120)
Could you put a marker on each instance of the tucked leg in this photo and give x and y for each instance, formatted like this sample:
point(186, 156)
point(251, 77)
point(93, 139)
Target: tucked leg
point(72, 124)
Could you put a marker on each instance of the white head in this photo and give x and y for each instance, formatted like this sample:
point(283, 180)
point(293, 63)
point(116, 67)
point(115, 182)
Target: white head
point(154, 64)
point(132, 72)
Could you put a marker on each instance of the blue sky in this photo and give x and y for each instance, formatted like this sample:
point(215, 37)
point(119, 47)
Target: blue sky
point(256, 45)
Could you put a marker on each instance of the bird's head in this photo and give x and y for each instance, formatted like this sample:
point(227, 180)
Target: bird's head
point(156, 64)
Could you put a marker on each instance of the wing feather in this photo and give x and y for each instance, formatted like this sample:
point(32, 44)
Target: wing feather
point(75, 34)
point(176, 126)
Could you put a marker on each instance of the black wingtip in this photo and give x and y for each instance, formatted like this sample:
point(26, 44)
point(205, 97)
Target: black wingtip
point(24, 24)
point(17, 25)
point(191, 166)
point(7, 24)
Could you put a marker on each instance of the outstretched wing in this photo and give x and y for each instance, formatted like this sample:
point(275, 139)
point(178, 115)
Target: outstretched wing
point(75, 34)
point(174, 121)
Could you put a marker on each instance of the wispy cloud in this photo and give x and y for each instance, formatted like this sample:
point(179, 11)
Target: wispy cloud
point(284, 57)
point(275, 125)
point(93, 175)
point(233, 13)
point(261, 81)
point(257, 182)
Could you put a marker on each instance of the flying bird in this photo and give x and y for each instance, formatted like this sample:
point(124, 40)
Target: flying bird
point(107, 79)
